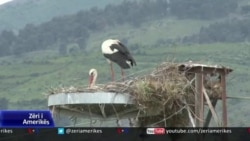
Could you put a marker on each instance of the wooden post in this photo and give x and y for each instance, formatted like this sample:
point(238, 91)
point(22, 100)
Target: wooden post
point(224, 104)
point(199, 100)
point(223, 97)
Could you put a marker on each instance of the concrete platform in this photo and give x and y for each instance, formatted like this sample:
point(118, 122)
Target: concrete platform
point(97, 105)
point(89, 98)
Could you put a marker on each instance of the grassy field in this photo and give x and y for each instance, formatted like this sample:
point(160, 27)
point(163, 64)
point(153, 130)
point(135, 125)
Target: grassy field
point(28, 77)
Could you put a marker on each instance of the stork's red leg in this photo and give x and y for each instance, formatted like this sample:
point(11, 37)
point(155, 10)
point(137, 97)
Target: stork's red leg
point(122, 72)
point(112, 72)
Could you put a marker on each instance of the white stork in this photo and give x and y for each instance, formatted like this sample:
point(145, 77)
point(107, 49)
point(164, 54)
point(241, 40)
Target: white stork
point(116, 52)
point(92, 78)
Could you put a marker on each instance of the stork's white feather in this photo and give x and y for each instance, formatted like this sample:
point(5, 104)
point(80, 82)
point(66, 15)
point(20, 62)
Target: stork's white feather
point(128, 62)
point(106, 46)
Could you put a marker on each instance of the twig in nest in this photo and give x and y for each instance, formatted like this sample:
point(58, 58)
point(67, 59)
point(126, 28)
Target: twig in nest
point(169, 116)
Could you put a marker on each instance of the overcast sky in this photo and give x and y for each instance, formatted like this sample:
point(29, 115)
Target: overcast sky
point(4, 1)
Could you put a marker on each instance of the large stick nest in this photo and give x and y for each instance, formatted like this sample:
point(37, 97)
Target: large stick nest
point(166, 93)
point(163, 95)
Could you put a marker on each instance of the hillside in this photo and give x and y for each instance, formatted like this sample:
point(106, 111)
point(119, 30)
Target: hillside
point(24, 78)
point(16, 14)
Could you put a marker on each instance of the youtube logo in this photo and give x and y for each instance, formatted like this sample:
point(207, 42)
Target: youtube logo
point(155, 131)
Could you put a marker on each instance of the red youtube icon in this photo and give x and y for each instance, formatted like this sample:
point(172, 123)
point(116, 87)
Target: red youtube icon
point(158, 131)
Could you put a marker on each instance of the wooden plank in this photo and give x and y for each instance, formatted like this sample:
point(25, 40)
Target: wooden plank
point(211, 110)
point(199, 69)
point(209, 114)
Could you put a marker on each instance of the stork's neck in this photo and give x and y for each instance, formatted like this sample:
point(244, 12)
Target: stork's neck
point(94, 80)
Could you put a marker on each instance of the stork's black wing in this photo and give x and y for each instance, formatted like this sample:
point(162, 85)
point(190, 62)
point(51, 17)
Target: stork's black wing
point(122, 49)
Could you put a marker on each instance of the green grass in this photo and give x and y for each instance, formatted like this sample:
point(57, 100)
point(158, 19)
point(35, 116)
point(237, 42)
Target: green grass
point(31, 74)
point(64, 70)
point(28, 76)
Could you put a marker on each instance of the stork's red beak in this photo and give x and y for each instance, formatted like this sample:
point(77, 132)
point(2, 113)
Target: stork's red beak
point(91, 77)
